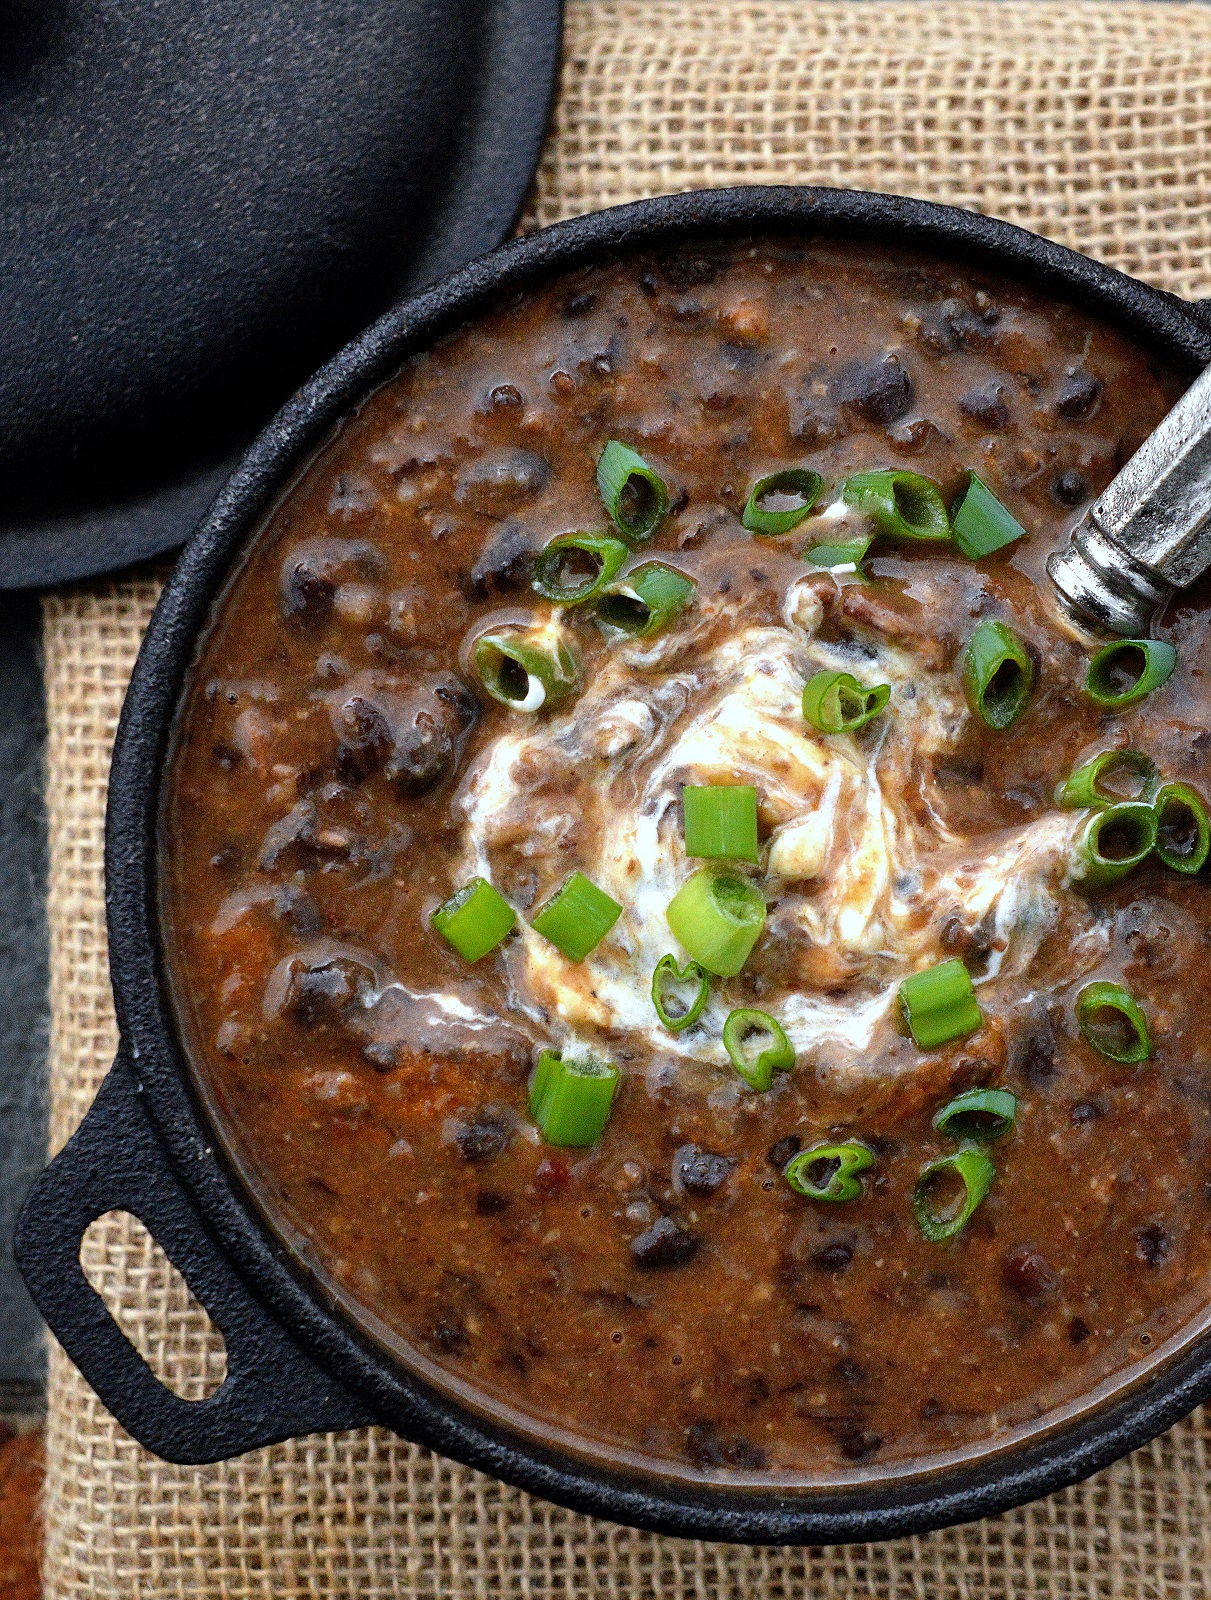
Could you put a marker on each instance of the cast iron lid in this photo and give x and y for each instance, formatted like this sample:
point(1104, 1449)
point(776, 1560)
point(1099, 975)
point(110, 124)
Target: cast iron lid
point(198, 204)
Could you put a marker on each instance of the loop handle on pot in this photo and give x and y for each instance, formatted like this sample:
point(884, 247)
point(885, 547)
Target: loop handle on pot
point(115, 1161)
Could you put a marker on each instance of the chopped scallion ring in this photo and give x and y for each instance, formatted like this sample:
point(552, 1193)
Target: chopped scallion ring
point(1087, 787)
point(644, 601)
point(981, 523)
point(998, 675)
point(948, 1191)
point(668, 980)
point(634, 495)
point(720, 821)
point(939, 1004)
point(571, 1100)
point(1183, 835)
point(1125, 671)
point(980, 1115)
point(766, 510)
point(830, 1171)
point(849, 553)
point(1112, 842)
point(902, 505)
point(475, 919)
point(574, 567)
point(758, 1047)
point(717, 917)
point(577, 917)
point(1113, 1022)
point(524, 671)
point(835, 702)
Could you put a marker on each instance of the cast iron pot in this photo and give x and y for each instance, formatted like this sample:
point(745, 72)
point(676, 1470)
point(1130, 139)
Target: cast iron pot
point(294, 1364)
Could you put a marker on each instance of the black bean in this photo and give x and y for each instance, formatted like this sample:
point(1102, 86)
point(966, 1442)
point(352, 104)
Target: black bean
point(1079, 396)
point(664, 1244)
point(225, 755)
point(297, 909)
point(579, 305)
point(307, 592)
point(836, 1257)
point(353, 496)
point(322, 994)
point(743, 1453)
point(506, 562)
point(879, 391)
point(482, 1139)
point(703, 1445)
point(1070, 488)
point(450, 1337)
point(289, 835)
point(699, 1172)
point(1036, 1055)
point(1078, 1330)
point(780, 1153)
point(1026, 1272)
point(506, 397)
point(423, 751)
point(986, 406)
point(488, 1203)
point(1084, 1112)
point(683, 272)
point(858, 1443)
point(494, 482)
point(1153, 1244)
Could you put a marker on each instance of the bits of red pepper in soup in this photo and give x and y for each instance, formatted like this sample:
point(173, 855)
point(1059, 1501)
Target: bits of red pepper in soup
point(627, 891)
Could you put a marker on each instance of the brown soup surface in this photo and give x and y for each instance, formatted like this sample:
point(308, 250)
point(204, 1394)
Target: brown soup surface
point(666, 1294)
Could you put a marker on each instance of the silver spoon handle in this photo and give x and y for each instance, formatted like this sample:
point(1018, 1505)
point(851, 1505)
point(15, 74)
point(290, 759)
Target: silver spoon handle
point(1149, 533)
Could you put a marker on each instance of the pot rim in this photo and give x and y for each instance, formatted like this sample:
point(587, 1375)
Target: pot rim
point(1006, 1476)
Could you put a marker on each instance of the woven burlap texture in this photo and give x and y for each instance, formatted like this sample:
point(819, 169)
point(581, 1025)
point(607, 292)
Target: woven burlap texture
point(1090, 122)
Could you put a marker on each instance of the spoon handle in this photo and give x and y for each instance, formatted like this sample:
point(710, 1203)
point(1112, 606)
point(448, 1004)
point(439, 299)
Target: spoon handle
point(1149, 533)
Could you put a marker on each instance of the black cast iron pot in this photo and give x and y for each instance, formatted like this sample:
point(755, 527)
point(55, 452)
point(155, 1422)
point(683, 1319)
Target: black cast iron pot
point(295, 1365)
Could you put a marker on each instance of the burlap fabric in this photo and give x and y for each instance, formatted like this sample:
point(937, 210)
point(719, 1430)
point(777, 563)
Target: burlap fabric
point(1090, 122)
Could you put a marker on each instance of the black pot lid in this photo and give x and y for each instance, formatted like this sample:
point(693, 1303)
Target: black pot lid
point(199, 203)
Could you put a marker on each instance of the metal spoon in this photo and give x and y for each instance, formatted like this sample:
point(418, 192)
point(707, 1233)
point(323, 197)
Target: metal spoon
point(1149, 533)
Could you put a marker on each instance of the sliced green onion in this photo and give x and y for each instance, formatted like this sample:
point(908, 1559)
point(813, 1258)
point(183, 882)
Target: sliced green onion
point(1112, 842)
point(576, 566)
point(667, 982)
point(948, 1191)
point(570, 1100)
point(847, 554)
point(981, 523)
point(835, 702)
point(1183, 836)
point(758, 1047)
point(902, 505)
point(475, 919)
point(981, 1115)
point(634, 495)
point(1113, 1022)
point(1085, 787)
point(577, 917)
point(765, 511)
point(717, 917)
point(830, 1171)
point(939, 1004)
point(525, 671)
point(1125, 671)
point(720, 821)
point(645, 600)
point(998, 675)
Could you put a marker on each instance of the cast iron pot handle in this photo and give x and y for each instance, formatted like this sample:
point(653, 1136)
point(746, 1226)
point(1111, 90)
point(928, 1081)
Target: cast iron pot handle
point(115, 1162)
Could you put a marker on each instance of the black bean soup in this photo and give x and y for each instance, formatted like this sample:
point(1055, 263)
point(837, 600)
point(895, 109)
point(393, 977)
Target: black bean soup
point(686, 941)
